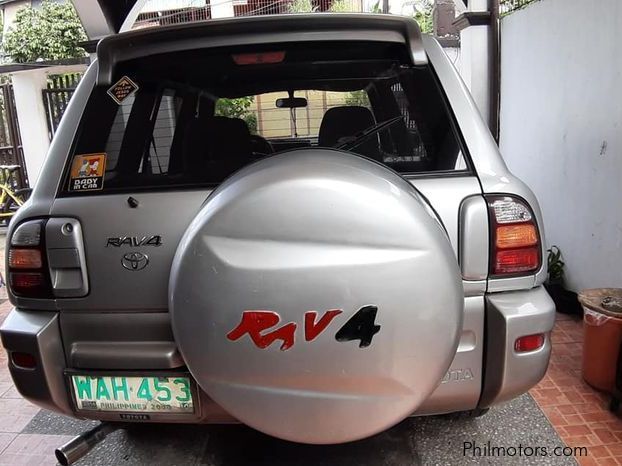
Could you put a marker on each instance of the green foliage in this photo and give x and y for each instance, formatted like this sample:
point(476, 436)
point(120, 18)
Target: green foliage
point(49, 33)
point(508, 6)
point(423, 15)
point(251, 122)
point(358, 98)
point(340, 6)
point(301, 6)
point(238, 108)
point(556, 266)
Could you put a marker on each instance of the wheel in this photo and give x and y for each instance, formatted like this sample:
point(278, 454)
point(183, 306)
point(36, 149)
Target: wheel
point(316, 297)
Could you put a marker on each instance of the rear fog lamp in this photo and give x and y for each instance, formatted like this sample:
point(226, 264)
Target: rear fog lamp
point(529, 343)
point(24, 360)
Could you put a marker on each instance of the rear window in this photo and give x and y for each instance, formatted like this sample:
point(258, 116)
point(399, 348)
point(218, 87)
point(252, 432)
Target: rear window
point(193, 120)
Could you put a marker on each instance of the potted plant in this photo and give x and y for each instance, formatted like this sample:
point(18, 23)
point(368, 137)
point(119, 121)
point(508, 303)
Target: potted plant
point(565, 300)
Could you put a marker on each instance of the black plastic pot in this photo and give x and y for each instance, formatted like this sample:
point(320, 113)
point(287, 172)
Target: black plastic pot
point(566, 301)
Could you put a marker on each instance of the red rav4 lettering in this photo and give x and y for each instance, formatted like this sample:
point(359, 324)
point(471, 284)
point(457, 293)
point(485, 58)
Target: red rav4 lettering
point(312, 330)
point(361, 326)
point(254, 322)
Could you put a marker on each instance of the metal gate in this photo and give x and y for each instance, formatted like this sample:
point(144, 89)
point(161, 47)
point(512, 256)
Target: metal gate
point(57, 96)
point(11, 151)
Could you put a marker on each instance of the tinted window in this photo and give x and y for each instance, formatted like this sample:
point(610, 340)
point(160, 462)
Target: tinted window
point(198, 131)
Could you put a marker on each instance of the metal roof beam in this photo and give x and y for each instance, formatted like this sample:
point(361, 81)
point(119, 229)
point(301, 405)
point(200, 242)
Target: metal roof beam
point(102, 18)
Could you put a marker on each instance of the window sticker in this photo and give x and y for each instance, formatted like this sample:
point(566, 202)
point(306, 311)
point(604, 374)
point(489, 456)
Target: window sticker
point(123, 88)
point(87, 172)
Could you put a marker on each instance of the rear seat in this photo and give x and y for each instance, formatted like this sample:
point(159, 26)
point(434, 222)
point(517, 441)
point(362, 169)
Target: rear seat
point(215, 147)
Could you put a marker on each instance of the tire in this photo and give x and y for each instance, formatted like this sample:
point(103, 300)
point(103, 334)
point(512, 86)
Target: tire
point(477, 412)
point(316, 298)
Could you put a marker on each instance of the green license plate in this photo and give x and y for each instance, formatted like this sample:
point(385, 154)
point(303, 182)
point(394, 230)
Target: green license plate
point(133, 394)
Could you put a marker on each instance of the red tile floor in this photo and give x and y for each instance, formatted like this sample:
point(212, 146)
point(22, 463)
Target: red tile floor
point(577, 412)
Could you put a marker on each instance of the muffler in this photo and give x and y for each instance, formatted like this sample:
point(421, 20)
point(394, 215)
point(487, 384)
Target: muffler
point(79, 446)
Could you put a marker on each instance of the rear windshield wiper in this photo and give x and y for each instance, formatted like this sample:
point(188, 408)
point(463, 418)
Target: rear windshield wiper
point(367, 133)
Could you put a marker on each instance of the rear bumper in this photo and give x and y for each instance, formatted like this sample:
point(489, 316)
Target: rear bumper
point(37, 333)
point(476, 378)
point(511, 315)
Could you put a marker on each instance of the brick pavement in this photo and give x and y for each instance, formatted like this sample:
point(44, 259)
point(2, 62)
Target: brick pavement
point(577, 412)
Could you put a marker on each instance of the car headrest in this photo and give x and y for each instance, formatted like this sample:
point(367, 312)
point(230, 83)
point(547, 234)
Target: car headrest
point(344, 122)
point(228, 139)
point(215, 147)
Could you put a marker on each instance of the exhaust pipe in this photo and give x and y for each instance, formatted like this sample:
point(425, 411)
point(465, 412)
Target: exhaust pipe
point(76, 448)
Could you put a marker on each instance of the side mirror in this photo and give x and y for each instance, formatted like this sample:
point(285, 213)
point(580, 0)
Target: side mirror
point(291, 102)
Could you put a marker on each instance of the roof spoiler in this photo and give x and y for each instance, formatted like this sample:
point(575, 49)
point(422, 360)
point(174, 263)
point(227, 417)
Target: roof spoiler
point(258, 30)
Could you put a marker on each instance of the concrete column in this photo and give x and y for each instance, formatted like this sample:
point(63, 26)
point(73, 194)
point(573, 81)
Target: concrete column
point(27, 86)
point(222, 8)
point(475, 66)
point(94, 19)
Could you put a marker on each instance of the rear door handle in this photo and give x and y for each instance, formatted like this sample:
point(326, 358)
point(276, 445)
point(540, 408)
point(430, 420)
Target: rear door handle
point(66, 257)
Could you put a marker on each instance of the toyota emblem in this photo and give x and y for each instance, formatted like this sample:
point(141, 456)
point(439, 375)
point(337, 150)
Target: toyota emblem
point(135, 261)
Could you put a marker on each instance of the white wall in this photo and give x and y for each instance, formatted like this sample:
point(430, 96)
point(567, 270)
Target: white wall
point(27, 86)
point(33, 126)
point(455, 55)
point(561, 127)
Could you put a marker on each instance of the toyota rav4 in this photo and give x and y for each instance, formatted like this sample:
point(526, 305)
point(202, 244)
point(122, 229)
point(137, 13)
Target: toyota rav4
point(300, 223)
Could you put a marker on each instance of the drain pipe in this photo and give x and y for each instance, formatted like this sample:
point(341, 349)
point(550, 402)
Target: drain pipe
point(76, 448)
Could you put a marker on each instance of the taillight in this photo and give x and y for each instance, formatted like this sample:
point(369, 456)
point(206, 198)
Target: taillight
point(27, 265)
point(515, 241)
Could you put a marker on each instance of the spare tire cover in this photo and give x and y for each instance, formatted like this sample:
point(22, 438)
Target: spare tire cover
point(316, 298)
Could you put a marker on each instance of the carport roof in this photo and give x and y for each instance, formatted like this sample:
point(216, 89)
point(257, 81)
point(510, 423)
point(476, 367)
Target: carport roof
point(16, 67)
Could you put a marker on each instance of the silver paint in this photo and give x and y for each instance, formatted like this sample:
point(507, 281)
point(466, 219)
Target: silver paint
point(121, 310)
point(317, 230)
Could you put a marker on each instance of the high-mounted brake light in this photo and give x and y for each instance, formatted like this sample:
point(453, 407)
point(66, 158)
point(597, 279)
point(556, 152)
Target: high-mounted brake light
point(515, 245)
point(27, 266)
point(258, 58)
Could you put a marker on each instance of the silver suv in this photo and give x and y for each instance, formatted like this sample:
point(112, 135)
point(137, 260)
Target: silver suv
point(300, 223)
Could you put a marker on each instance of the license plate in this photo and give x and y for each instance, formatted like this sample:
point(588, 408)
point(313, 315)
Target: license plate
point(133, 394)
